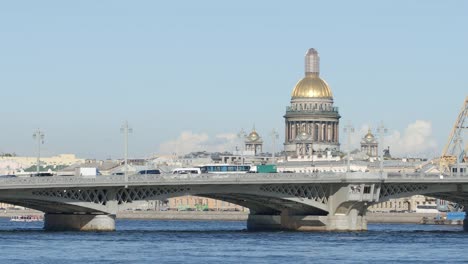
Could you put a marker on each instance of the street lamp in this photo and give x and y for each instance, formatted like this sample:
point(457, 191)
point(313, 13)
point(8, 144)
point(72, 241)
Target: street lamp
point(382, 130)
point(274, 136)
point(125, 129)
point(242, 136)
point(39, 136)
point(348, 129)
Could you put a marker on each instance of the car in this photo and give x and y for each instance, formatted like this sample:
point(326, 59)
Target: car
point(42, 174)
point(7, 176)
point(149, 172)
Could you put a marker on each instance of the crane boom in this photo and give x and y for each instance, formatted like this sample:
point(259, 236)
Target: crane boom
point(454, 151)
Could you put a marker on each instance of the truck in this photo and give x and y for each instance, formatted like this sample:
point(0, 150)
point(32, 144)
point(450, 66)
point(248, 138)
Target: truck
point(87, 172)
point(267, 168)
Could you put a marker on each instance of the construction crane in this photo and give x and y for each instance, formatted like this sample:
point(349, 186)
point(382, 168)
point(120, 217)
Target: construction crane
point(454, 151)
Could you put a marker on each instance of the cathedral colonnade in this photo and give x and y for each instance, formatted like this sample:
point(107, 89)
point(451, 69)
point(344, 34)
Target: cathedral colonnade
point(319, 131)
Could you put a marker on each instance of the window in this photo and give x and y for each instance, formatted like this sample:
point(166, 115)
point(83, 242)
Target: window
point(367, 189)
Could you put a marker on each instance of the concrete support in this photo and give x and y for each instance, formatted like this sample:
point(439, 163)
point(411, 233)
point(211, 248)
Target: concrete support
point(351, 222)
point(79, 222)
point(465, 221)
point(263, 222)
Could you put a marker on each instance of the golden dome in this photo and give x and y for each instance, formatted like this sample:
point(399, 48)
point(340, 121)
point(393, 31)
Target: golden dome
point(312, 86)
point(253, 135)
point(369, 137)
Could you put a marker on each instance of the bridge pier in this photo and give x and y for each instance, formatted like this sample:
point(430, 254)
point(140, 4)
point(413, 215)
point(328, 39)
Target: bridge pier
point(465, 221)
point(79, 222)
point(350, 222)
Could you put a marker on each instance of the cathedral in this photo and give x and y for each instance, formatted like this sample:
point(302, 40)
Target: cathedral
point(253, 143)
point(311, 121)
point(369, 145)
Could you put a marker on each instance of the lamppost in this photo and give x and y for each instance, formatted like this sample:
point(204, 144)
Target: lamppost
point(242, 136)
point(39, 136)
point(382, 130)
point(348, 129)
point(125, 129)
point(274, 136)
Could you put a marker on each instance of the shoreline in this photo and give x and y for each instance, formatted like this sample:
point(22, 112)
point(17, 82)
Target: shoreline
point(410, 218)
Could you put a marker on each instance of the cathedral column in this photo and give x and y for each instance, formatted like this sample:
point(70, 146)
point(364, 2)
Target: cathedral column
point(290, 130)
point(334, 132)
point(312, 130)
point(293, 130)
point(319, 130)
point(324, 131)
point(337, 132)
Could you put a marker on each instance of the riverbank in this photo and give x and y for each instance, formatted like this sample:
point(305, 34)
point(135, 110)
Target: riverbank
point(414, 218)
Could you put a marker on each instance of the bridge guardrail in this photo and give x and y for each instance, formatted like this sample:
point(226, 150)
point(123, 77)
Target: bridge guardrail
point(206, 178)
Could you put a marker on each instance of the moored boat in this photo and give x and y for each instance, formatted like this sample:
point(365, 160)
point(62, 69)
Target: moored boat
point(26, 218)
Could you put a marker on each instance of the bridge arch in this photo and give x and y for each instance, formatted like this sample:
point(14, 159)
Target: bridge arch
point(261, 199)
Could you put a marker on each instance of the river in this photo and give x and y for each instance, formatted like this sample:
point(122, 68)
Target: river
point(152, 241)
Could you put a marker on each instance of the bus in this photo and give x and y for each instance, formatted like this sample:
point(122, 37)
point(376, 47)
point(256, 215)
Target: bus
point(187, 171)
point(225, 168)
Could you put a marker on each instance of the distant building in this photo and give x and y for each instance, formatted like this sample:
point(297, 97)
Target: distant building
point(312, 122)
point(409, 204)
point(15, 164)
point(369, 145)
point(253, 143)
point(197, 203)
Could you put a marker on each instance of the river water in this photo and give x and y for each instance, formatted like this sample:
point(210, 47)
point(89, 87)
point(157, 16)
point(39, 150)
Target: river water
point(150, 241)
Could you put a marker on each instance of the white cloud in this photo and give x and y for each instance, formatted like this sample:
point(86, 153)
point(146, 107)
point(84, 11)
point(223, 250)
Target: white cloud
point(189, 141)
point(415, 141)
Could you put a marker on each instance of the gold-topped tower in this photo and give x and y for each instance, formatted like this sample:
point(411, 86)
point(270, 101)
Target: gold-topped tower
point(312, 86)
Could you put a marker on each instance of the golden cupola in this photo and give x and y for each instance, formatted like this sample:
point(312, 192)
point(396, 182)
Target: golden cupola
point(312, 86)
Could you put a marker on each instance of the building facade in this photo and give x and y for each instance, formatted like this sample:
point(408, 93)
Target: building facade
point(311, 120)
point(253, 143)
point(369, 145)
point(197, 203)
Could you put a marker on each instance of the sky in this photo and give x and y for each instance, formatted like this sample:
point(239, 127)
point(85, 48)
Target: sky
point(189, 75)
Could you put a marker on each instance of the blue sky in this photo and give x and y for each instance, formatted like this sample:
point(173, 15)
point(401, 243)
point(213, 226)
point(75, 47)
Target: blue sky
point(78, 69)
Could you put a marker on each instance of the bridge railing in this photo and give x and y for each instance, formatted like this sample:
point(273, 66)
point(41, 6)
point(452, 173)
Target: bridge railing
point(208, 178)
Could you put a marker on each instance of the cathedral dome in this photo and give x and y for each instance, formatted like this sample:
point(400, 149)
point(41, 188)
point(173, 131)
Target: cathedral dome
point(312, 86)
point(369, 138)
point(253, 136)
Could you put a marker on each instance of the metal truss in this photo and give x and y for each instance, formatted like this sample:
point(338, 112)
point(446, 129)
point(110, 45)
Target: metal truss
point(397, 189)
point(314, 192)
point(102, 196)
point(97, 196)
point(129, 195)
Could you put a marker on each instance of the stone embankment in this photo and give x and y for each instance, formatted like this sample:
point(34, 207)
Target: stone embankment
point(230, 216)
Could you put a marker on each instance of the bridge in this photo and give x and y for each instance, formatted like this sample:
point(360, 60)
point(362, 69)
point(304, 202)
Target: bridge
point(291, 201)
